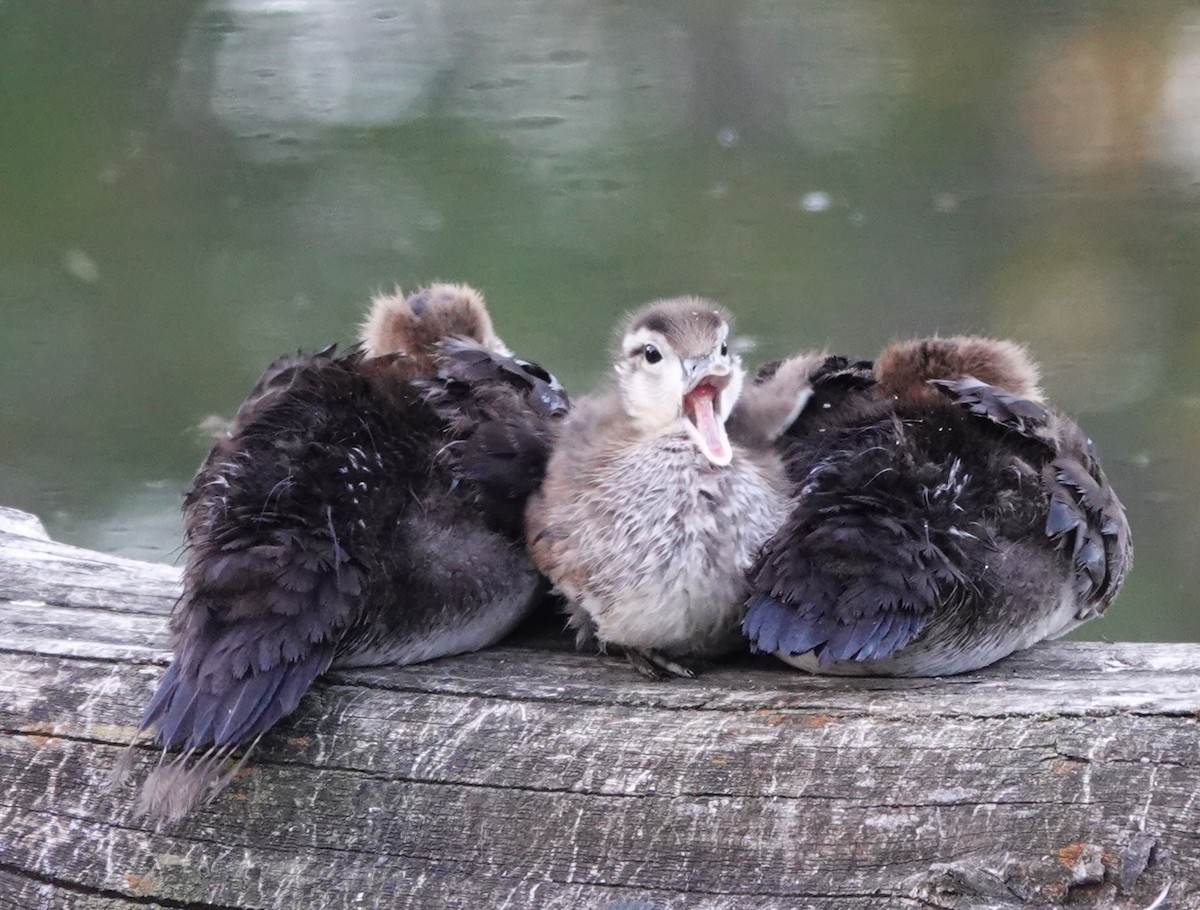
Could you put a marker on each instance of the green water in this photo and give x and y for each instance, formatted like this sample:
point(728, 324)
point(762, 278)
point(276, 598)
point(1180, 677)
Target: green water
point(188, 190)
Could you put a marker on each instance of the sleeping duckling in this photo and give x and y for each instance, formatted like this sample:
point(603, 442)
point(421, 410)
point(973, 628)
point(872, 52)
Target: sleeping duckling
point(947, 517)
point(365, 508)
point(649, 515)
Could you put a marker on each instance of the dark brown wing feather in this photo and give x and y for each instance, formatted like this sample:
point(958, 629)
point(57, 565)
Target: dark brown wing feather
point(853, 574)
point(1083, 512)
point(296, 533)
point(902, 506)
point(501, 447)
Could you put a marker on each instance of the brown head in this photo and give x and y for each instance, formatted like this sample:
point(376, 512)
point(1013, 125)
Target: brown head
point(905, 368)
point(416, 324)
point(675, 369)
point(688, 324)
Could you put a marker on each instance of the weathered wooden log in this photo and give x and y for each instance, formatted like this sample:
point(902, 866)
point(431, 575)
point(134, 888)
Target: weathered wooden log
point(532, 776)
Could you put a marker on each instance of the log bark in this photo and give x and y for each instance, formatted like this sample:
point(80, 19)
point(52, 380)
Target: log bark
point(532, 776)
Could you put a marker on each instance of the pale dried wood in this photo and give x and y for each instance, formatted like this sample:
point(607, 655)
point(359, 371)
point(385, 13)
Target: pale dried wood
point(532, 776)
point(14, 521)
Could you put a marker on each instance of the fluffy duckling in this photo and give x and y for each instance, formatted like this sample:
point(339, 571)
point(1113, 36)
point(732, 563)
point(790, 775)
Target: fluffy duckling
point(365, 508)
point(649, 515)
point(946, 517)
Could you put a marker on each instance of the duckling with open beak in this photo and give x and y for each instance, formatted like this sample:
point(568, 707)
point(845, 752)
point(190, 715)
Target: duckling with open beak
point(946, 517)
point(365, 508)
point(650, 514)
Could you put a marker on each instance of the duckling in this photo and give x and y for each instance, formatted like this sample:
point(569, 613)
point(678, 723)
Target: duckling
point(649, 515)
point(947, 517)
point(365, 508)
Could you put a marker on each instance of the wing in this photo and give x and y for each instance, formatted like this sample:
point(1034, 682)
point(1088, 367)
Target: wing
point(1083, 512)
point(257, 625)
point(863, 561)
point(503, 414)
point(1018, 415)
point(271, 580)
point(843, 374)
point(788, 396)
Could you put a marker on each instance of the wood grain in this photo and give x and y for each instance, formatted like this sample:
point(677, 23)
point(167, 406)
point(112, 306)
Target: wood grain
point(533, 776)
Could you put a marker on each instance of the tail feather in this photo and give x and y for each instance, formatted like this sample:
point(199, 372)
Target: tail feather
point(764, 623)
point(209, 725)
point(162, 696)
point(123, 769)
point(851, 639)
point(255, 708)
point(863, 562)
point(175, 787)
point(191, 714)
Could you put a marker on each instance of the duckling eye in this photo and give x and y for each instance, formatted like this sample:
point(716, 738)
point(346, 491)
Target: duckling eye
point(724, 348)
point(652, 354)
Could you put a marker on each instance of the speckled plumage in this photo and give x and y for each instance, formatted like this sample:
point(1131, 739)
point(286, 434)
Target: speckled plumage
point(943, 522)
point(362, 510)
point(646, 537)
point(647, 540)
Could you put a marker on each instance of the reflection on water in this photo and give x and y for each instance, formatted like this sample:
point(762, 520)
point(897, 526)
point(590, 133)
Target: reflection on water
point(277, 77)
point(1101, 331)
point(188, 190)
point(1178, 107)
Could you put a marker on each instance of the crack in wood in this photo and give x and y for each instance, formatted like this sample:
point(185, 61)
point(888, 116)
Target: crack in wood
point(592, 882)
point(74, 887)
point(532, 775)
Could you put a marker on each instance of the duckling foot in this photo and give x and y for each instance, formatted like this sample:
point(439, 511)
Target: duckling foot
point(654, 665)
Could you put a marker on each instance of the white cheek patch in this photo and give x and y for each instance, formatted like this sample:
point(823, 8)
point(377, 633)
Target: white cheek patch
point(652, 392)
point(656, 403)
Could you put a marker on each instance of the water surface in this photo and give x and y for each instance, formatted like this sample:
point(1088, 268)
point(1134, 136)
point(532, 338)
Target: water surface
point(189, 189)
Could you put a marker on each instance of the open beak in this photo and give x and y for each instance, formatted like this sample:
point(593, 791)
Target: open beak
point(706, 381)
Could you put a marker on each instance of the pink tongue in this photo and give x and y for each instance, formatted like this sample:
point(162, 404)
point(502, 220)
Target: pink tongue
point(711, 431)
